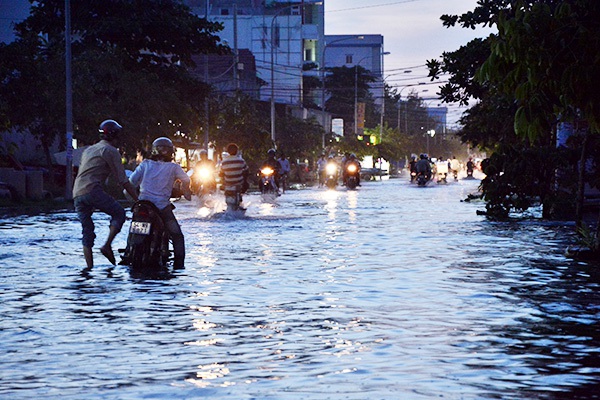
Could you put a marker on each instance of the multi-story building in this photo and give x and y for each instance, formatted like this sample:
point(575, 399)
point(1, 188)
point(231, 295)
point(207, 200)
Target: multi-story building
point(283, 36)
point(357, 50)
point(438, 114)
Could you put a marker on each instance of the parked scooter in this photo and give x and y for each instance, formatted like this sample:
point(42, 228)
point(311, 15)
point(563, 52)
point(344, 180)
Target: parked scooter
point(147, 248)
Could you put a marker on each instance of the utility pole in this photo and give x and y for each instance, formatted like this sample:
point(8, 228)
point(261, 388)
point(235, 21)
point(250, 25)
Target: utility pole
point(206, 105)
point(69, 104)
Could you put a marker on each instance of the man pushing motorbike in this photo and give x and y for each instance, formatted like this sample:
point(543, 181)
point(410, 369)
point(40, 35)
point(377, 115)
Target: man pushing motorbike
point(98, 162)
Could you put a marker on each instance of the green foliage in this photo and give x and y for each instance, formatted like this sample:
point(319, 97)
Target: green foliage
point(299, 139)
point(541, 68)
point(588, 238)
point(517, 178)
point(546, 55)
point(343, 84)
point(129, 62)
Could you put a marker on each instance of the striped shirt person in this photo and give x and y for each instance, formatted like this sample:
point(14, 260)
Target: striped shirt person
point(233, 167)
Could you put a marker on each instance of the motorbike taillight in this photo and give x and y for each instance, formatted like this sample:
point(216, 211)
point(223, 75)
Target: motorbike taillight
point(143, 212)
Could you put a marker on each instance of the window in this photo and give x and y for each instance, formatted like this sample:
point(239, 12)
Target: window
point(264, 36)
point(348, 58)
point(224, 11)
point(308, 55)
point(276, 36)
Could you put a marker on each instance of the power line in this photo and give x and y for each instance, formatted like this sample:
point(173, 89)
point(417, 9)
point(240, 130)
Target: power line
point(374, 6)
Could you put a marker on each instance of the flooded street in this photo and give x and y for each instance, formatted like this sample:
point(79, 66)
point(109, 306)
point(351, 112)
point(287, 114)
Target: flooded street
point(388, 292)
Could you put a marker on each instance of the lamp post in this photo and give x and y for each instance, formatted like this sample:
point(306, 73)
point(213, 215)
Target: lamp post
point(428, 132)
point(273, 133)
point(323, 77)
point(383, 53)
point(68, 104)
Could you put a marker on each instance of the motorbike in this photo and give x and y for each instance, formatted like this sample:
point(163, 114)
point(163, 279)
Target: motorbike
point(470, 169)
point(442, 172)
point(233, 198)
point(203, 181)
point(422, 178)
point(267, 181)
point(413, 176)
point(352, 176)
point(331, 175)
point(455, 174)
point(147, 248)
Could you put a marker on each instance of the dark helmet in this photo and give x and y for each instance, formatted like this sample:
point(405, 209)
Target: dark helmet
point(162, 148)
point(109, 129)
point(271, 152)
point(203, 154)
point(423, 156)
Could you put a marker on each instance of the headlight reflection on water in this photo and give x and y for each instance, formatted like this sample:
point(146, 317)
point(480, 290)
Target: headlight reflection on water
point(209, 372)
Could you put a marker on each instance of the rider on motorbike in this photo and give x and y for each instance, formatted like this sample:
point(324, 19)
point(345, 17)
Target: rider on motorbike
point(454, 167)
point(351, 160)
point(470, 167)
point(234, 170)
point(423, 166)
point(284, 169)
point(272, 163)
point(204, 174)
point(156, 177)
point(413, 167)
point(321, 164)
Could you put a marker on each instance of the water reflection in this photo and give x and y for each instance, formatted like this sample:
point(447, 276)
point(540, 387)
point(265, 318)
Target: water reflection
point(385, 292)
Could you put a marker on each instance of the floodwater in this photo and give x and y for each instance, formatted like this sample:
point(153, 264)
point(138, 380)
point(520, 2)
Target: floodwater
point(390, 291)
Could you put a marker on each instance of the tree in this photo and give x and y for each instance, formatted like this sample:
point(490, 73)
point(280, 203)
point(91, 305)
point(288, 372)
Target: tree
point(544, 62)
point(552, 73)
point(344, 86)
point(129, 63)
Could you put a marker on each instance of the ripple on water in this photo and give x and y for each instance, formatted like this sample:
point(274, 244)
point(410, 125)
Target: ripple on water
point(384, 292)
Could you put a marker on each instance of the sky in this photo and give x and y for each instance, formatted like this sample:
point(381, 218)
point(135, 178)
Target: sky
point(11, 10)
point(412, 32)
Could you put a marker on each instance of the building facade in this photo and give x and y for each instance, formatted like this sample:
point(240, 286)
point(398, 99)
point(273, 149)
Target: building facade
point(350, 51)
point(283, 36)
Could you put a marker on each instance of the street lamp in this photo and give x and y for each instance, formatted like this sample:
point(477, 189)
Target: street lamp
point(383, 53)
point(323, 76)
point(317, 3)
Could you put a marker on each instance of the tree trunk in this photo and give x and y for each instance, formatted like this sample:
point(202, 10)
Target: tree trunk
point(581, 182)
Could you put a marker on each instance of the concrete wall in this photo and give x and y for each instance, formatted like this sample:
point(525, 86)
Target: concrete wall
point(26, 184)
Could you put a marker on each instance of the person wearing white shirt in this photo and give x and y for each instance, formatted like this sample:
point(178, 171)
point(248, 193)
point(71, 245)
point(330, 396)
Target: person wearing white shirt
point(155, 178)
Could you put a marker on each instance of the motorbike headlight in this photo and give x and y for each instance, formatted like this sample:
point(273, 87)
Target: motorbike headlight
point(204, 173)
point(352, 168)
point(267, 171)
point(331, 168)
